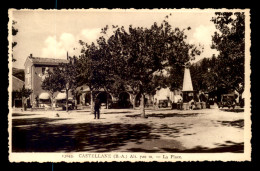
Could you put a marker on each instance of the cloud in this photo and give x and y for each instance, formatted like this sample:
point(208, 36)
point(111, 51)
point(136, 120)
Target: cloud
point(67, 40)
point(58, 48)
point(90, 35)
point(203, 36)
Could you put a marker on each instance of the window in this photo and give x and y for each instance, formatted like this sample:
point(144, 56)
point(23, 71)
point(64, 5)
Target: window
point(28, 70)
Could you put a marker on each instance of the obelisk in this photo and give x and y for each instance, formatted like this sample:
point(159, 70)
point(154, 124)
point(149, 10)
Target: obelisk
point(187, 83)
point(187, 87)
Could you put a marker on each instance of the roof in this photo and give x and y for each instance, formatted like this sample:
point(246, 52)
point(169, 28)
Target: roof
point(17, 84)
point(47, 61)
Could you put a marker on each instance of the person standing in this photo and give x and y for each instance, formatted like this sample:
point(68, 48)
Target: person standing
point(97, 109)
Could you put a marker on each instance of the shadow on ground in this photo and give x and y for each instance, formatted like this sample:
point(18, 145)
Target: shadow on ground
point(237, 123)
point(118, 112)
point(21, 114)
point(228, 146)
point(233, 110)
point(41, 135)
point(165, 115)
point(38, 135)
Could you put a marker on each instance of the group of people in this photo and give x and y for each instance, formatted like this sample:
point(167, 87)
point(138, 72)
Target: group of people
point(190, 102)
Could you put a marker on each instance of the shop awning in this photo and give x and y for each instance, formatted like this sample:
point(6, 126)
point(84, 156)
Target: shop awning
point(44, 96)
point(61, 96)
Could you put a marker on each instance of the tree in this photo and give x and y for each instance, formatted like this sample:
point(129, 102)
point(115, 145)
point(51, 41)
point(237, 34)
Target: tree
point(68, 73)
point(179, 52)
point(23, 93)
point(230, 42)
point(140, 52)
point(175, 80)
point(53, 82)
point(88, 69)
point(63, 77)
point(202, 76)
point(14, 32)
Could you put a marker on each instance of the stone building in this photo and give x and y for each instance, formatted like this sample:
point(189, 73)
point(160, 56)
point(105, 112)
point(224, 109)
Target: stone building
point(126, 99)
point(35, 72)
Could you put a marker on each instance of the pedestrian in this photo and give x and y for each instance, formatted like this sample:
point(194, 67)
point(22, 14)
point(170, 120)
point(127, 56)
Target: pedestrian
point(191, 104)
point(97, 109)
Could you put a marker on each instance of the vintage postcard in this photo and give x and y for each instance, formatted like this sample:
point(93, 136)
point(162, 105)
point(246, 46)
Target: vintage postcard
point(95, 85)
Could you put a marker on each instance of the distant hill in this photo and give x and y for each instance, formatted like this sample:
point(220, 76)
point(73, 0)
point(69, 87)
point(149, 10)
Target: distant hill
point(19, 73)
point(198, 63)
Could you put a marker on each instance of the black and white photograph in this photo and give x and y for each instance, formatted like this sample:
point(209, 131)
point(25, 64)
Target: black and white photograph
point(95, 85)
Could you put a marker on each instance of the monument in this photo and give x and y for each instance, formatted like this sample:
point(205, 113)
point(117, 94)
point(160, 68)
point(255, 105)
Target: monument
point(187, 88)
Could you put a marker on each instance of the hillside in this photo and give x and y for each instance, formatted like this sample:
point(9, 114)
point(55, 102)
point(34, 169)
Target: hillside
point(19, 73)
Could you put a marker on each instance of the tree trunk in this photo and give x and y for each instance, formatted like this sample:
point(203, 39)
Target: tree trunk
point(153, 103)
point(67, 95)
point(23, 104)
point(134, 107)
point(107, 100)
point(52, 102)
point(91, 102)
point(142, 106)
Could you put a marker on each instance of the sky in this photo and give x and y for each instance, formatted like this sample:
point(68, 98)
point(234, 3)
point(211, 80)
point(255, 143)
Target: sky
point(51, 34)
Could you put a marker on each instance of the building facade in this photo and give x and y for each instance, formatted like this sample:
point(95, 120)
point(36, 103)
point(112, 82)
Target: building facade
point(35, 72)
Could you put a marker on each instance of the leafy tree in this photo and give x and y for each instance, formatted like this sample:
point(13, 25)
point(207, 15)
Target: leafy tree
point(230, 42)
point(23, 93)
point(14, 32)
point(52, 83)
point(63, 77)
point(68, 73)
point(108, 80)
point(175, 80)
point(179, 52)
point(88, 69)
point(201, 75)
point(139, 52)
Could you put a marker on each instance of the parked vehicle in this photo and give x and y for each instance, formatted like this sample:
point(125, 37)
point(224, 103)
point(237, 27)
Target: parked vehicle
point(227, 100)
point(163, 103)
point(62, 103)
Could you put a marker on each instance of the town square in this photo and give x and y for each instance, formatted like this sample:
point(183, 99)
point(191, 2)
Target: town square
point(122, 130)
point(129, 81)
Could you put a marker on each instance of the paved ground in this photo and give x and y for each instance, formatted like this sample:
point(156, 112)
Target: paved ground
point(122, 130)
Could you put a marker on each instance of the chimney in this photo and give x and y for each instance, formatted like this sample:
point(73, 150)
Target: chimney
point(67, 55)
point(30, 56)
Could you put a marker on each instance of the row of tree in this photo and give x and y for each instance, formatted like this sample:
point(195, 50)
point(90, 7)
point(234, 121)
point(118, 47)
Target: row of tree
point(222, 73)
point(130, 59)
point(136, 59)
